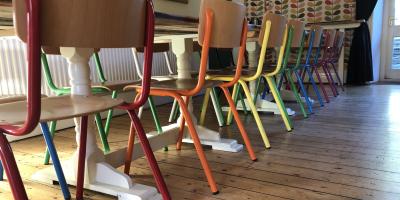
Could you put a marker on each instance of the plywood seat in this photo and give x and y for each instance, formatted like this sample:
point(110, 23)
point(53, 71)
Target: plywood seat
point(246, 71)
point(229, 72)
point(10, 99)
point(178, 84)
point(55, 108)
point(194, 74)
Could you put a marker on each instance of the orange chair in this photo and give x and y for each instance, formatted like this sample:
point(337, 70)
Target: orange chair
point(213, 29)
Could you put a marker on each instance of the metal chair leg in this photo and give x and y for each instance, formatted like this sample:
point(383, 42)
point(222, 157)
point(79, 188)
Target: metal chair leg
point(239, 124)
point(204, 106)
point(102, 133)
point(296, 94)
point(197, 144)
point(314, 85)
point(255, 114)
point(11, 169)
point(303, 90)
point(281, 106)
point(53, 125)
point(217, 107)
point(162, 187)
point(321, 84)
point(81, 158)
point(235, 95)
point(56, 161)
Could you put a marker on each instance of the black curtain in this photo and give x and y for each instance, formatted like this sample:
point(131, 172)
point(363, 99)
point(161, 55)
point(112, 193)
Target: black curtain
point(360, 69)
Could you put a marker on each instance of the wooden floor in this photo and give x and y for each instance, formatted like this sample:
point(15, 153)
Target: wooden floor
point(348, 149)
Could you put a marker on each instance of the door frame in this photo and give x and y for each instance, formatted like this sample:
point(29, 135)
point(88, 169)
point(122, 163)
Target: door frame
point(387, 32)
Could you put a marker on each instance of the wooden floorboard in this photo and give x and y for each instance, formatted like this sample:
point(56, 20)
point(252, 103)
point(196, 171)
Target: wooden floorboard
point(347, 149)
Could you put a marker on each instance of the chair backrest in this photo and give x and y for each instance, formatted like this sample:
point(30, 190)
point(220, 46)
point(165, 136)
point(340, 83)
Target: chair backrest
point(339, 39)
point(227, 23)
point(330, 38)
point(87, 23)
point(278, 23)
point(298, 31)
point(318, 30)
point(95, 24)
point(227, 29)
point(34, 73)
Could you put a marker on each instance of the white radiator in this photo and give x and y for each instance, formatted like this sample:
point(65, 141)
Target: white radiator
point(117, 65)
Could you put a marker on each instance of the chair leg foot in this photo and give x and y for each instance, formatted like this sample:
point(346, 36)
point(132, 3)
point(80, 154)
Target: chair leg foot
point(162, 187)
point(239, 124)
point(196, 142)
point(129, 150)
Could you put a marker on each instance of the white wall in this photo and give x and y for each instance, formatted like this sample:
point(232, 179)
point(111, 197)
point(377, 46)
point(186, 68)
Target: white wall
point(375, 25)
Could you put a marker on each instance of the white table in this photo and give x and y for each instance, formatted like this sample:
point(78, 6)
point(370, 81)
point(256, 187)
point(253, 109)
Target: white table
point(102, 176)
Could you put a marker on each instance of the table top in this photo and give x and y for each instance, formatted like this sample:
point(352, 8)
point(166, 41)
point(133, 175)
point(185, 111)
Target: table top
point(168, 29)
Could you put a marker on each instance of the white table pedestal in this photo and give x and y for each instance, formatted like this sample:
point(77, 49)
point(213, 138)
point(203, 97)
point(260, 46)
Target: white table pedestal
point(100, 176)
point(182, 47)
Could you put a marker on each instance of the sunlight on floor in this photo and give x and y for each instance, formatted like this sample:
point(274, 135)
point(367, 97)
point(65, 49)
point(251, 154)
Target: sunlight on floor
point(394, 110)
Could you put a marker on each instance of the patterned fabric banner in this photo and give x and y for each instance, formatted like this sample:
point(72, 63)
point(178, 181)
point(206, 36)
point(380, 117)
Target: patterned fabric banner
point(310, 11)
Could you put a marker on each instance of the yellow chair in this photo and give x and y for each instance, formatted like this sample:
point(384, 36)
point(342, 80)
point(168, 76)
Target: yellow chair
point(271, 36)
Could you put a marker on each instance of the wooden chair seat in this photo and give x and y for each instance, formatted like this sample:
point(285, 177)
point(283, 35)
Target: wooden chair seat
point(246, 71)
point(178, 84)
point(55, 108)
point(194, 74)
point(165, 77)
point(10, 99)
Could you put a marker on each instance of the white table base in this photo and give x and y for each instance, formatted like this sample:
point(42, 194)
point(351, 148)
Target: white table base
point(262, 105)
point(107, 179)
point(102, 176)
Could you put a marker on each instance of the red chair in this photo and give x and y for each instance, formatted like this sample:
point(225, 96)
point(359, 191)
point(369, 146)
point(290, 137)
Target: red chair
point(67, 23)
point(32, 104)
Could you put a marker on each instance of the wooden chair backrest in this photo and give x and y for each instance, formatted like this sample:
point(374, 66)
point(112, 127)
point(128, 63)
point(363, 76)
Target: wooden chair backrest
point(331, 35)
point(228, 17)
point(298, 31)
point(87, 23)
point(317, 35)
point(278, 24)
point(339, 39)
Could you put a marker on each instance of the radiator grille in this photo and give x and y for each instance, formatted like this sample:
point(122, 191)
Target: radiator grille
point(117, 65)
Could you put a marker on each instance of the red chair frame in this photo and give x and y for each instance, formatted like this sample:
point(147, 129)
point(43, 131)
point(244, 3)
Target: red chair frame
point(33, 102)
